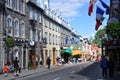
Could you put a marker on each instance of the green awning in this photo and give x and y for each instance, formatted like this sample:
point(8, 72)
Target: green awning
point(68, 51)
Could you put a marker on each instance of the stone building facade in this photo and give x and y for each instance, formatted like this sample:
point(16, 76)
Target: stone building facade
point(35, 29)
point(16, 23)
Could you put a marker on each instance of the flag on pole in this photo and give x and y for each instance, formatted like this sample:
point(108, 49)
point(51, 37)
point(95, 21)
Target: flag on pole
point(105, 6)
point(90, 10)
point(98, 23)
point(66, 40)
point(99, 17)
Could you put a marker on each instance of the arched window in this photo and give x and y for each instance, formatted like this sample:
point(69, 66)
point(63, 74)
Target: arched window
point(16, 28)
point(9, 26)
point(22, 29)
point(31, 34)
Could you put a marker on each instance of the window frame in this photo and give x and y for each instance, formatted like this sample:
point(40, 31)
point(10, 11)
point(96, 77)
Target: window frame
point(22, 29)
point(16, 28)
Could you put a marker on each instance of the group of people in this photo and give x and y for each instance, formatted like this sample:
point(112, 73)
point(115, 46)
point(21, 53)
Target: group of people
point(107, 65)
point(16, 68)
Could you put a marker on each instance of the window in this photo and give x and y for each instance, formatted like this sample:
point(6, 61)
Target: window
point(39, 35)
point(49, 38)
point(46, 23)
point(30, 13)
point(46, 36)
point(32, 34)
point(22, 31)
point(16, 28)
point(35, 14)
point(9, 3)
point(40, 18)
point(36, 35)
point(22, 6)
point(9, 26)
point(53, 39)
point(16, 5)
point(50, 24)
point(56, 39)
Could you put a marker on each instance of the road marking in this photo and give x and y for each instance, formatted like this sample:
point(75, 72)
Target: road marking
point(58, 78)
point(72, 72)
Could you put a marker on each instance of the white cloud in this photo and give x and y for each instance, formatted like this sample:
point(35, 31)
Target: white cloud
point(68, 8)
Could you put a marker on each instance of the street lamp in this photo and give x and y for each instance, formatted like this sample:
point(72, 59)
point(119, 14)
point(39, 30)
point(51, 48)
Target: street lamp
point(103, 41)
point(25, 46)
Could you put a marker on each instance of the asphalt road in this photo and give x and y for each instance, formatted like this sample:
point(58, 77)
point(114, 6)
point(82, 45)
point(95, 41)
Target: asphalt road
point(85, 71)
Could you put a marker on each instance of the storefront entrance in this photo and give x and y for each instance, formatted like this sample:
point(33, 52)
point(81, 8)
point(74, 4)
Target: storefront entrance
point(54, 56)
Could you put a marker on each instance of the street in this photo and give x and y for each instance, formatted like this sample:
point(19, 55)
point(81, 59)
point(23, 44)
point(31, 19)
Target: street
point(85, 71)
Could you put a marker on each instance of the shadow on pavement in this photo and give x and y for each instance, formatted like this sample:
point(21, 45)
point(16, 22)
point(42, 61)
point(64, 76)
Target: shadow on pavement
point(92, 72)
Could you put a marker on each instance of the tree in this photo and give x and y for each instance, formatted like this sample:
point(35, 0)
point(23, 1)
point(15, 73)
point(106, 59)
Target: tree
point(98, 36)
point(62, 52)
point(113, 29)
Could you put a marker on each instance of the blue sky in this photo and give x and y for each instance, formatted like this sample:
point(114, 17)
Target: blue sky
point(75, 12)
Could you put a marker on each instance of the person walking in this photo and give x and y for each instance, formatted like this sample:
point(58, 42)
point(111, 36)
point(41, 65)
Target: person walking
point(16, 66)
point(104, 66)
point(111, 65)
point(48, 61)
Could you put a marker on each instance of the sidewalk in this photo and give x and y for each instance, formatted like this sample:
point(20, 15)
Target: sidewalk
point(26, 72)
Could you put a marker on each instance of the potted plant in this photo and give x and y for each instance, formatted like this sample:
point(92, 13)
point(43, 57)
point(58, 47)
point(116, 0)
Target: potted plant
point(29, 65)
point(10, 42)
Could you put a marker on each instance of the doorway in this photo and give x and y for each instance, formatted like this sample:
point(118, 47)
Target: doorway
point(54, 56)
point(46, 55)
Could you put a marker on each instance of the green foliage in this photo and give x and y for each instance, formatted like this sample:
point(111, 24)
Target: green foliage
point(29, 64)
point(62, 52)
point(98, 36)
point(113, 29)
point(10, 42)
point(90, 39)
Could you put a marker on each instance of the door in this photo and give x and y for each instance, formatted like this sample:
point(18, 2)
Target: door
point(24, 59)
point(54, 56)
point(46, 56)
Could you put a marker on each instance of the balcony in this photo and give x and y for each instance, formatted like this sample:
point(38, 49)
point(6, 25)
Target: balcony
point(32, 20)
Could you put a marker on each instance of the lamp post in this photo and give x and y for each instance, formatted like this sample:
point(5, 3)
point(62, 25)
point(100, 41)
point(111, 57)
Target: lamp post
point(24, 53)
point(101, 46)
point(103, 41)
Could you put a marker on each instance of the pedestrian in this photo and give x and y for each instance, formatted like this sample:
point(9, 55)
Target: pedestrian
point(11, 68)
point(48, 61)
point(104, 66)
point(5, 70)
point(111, 65)
point(19, 67)
point(16, 66)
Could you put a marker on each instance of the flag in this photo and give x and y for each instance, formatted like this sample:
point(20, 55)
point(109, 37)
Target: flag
point(99, 13)
point(66, 40)
point(90, 10)
point(99, 17)
point(105, 6)
point(98, 23)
